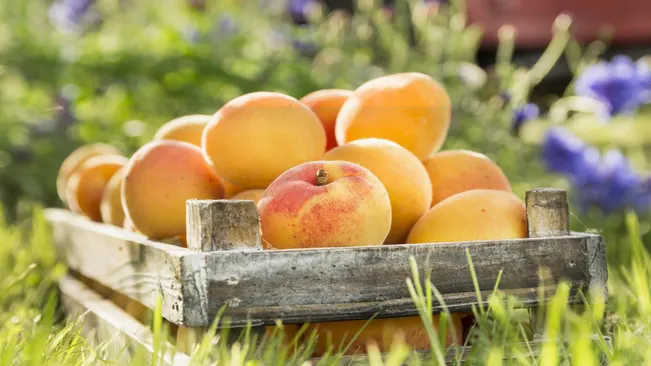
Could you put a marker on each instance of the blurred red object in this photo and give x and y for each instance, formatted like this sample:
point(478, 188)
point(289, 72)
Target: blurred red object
point(630, 19)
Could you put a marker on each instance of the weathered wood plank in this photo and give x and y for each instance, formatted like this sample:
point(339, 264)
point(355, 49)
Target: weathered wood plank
point(355, 283)
point(315, 284)
point(103, 321)
point(124, 261)
point(222, 225)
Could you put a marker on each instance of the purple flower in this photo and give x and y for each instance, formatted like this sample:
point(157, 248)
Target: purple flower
point(523, 114)
point(606, 182)
point(562, 152)
point(67, 14)
point(613, 186)
point(227, 25)
point(299, 9)
point(621, 84)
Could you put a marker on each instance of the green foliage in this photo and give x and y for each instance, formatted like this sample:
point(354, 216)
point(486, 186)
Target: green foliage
point(32, 330)
point(124, 79)
point(145, 63)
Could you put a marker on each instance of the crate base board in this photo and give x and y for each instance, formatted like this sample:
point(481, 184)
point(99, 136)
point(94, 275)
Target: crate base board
point(104, 321)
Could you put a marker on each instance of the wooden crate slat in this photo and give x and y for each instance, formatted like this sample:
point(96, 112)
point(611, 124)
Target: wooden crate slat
point(121, 260)
point(104, 321)
point(315, 284)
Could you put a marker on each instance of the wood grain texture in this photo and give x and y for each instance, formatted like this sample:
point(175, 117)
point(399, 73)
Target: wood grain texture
point(103, 321)
point(126, 262)
point(222, 225)
point(354, 283)
point(548, 213)
point(323, 284)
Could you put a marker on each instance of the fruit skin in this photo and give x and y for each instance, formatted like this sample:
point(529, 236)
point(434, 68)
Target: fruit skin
point(158, 179)
point(410, 108)
point(252, 194)
point(456, 171)
point(110, 206)
point(402, 174)
point(231, 189)
point(382, 333)
point(326, 104)
point(256, 137)
point(74, 161)
point(86, 187)
point(351, 209)
point(481, 214)
point(187, 128)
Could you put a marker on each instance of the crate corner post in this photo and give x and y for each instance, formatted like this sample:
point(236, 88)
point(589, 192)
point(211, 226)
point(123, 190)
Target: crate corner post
point(547, 211)
point(218, 226)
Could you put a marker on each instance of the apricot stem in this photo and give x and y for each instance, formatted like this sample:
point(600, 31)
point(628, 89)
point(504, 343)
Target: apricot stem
point(321, 177)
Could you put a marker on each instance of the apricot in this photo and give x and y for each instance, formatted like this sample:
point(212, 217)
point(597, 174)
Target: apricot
point(482, 214)
point(325, 204)
point(110, 206)
point(402, 174)
point(158, 179)
point(252, 194)
point(256, 137)
point(456, 171)
point(326, 104)
point(74, 161)
point(86, 186)
point(411, 109)
point(231, 189)
point(187, 128)
point(382, 332)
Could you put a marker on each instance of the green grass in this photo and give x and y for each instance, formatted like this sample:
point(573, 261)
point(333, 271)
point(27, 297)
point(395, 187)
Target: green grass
point(33, 330)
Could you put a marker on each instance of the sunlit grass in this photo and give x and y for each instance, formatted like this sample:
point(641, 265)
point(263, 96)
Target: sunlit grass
point(33, 331)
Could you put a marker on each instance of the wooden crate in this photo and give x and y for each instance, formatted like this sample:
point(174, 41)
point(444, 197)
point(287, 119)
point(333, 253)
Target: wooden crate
point(224, 265)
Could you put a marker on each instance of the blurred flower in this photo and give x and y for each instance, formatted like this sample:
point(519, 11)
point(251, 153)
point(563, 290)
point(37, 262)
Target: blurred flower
point(612, 186)
point(605, 182)
point(621, 84)
point(67, 14)
point(226, 24)
point(523, 114)
point(300, 9)
point(506, 96)
point(191, 34)
point(562, 152)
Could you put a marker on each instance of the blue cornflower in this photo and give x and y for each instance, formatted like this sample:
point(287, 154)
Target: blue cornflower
point(67, 14)
point(606, 182)
point(622, 85)
point(612, 187)
point(523, 114)
point(562, 152)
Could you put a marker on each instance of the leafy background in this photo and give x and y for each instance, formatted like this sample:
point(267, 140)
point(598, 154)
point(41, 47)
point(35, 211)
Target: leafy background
point(77, 71)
